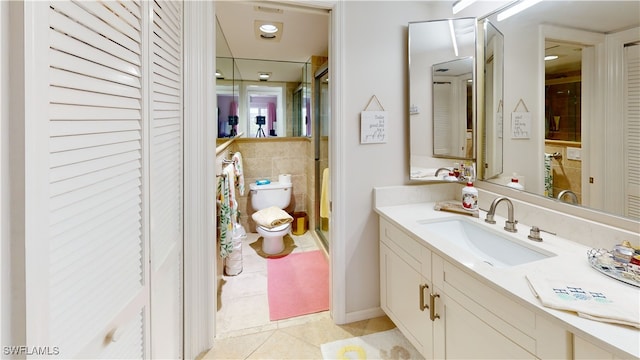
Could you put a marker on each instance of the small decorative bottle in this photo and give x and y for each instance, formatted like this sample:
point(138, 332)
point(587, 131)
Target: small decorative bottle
point(470, 196)
point(515, 184)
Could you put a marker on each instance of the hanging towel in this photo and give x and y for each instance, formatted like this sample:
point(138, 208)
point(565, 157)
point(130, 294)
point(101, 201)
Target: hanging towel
point(271, 217)
point(548, 175)
point(596, 301)
point(237, 161)
point(228, 209)
point(325, 194)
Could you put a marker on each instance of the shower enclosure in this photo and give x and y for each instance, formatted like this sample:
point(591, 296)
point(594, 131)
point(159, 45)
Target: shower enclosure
point(321, 140)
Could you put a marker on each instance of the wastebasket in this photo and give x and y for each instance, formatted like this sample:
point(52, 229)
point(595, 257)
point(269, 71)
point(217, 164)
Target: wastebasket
point(300, 223)
point(233, 262)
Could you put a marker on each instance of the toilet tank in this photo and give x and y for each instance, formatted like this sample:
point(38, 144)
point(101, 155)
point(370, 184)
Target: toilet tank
point(273, 194)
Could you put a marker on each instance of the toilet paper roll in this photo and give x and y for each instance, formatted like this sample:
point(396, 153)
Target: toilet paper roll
point(284, 179)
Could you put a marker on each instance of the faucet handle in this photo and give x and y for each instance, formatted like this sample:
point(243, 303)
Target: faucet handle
point(534, 233)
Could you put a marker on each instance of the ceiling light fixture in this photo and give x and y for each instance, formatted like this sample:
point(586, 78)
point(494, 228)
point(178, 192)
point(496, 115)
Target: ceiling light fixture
point(512, 10)
point(268, 28)
point(264, 76)
point(550, 57)
point(453, 37)
point(461, 4)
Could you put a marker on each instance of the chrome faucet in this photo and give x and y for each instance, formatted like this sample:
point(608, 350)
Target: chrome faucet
point(572, 196)
point(510, 224)
point(442, 169)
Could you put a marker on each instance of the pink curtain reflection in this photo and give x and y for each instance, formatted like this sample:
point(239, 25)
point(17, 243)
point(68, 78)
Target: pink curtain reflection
point(271, 115)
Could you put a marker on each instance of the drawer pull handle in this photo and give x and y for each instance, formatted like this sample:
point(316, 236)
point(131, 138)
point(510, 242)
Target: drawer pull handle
point(432, 304)
point(423, 306)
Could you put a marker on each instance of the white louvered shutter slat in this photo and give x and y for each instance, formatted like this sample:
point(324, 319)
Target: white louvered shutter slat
point(97, 25)
point(96, 178)
point(166, 188)
point(632, 132)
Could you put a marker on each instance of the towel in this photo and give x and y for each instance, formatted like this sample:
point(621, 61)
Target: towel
point(271, 217)
point(325, 194)
point(548, 175)
point(228, 209)
point(237, 161)
point(599, 301)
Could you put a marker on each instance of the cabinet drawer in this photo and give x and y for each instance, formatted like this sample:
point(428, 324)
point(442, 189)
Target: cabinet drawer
point(506, 316)
point(407, 248)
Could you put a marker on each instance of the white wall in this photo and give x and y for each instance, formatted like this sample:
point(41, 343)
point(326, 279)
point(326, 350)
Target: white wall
point(374, 63)
point(520, 82)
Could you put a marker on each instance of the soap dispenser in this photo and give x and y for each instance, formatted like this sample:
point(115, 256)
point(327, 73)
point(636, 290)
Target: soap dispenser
point(515, 184)
point(470, 196)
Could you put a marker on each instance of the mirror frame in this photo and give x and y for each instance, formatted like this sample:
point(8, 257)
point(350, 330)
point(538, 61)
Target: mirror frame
point(423, 163)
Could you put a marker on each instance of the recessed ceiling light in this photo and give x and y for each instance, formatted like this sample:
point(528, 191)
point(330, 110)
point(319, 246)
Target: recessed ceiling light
point(263, 76)
point(550, 57)
point(269, 28)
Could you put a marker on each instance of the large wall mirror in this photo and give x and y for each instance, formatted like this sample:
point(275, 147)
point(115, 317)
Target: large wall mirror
point(579, 141)
point(441, 95)
point(266, 55)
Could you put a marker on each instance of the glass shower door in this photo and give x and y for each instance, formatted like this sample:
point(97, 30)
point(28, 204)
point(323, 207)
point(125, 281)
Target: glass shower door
point(321, 139)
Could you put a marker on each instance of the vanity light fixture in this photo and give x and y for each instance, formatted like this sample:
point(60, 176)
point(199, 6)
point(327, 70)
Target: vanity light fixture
point(453, 37)
point(461, 4)
point(550, 57)
point(520, 6)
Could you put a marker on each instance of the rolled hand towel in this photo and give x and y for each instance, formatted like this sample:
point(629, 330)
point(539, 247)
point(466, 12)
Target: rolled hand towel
point(271, 217)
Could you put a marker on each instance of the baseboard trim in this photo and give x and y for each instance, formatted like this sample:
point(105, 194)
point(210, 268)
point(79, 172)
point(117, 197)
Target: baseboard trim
point(364, 315)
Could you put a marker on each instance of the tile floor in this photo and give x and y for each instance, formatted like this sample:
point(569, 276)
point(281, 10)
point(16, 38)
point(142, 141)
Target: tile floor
point(244, 330)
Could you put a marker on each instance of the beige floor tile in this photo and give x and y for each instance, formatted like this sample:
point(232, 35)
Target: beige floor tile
point(378, 324)
point(322, 331)
point(243, 284)
point(239, 347)
point(281, 345)
point(243, 313)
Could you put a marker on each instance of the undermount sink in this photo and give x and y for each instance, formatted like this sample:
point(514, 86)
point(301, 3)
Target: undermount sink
point(493, 248)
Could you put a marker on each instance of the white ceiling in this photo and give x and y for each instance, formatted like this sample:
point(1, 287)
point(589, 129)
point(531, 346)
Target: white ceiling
point(305, 33)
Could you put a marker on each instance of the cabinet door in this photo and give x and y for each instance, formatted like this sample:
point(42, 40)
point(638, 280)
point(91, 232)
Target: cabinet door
point(463, 335)
point(582, 349)
point(401, 287)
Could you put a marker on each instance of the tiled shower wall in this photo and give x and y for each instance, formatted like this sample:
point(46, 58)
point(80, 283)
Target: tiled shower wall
point(567, 174)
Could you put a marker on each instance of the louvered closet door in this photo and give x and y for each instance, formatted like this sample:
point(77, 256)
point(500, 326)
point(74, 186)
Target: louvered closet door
point(632, 131)
point(166, 179)
point(98, 293)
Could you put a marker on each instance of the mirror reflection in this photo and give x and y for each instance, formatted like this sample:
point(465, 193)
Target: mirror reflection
point(581, 146)
point(493, 129)
point(263, 98)
point(453, 108)
point(442, 116)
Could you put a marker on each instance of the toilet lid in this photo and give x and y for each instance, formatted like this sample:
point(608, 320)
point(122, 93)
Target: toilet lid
point(277, 228)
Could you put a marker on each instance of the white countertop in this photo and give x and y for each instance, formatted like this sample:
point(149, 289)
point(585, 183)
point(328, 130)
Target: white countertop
point(570, 262)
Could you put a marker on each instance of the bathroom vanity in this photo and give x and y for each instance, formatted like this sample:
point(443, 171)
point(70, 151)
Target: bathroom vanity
point(452, 302)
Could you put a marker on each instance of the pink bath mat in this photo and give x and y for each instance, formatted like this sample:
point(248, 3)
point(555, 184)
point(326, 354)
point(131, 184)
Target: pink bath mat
point(297, 284)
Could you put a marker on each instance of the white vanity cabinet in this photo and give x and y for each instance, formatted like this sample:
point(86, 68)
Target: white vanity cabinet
point(404, 288)
point(457, 316)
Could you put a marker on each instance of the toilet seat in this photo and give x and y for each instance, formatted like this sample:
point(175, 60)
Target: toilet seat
point(275, 229)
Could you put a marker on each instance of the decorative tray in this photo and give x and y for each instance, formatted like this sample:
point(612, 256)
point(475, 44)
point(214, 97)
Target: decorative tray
point(603, 261)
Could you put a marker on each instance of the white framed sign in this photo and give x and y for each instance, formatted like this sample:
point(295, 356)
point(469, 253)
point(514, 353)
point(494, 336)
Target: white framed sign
point(373, 127)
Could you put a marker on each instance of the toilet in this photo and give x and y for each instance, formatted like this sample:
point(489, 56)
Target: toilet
point(267, 195)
